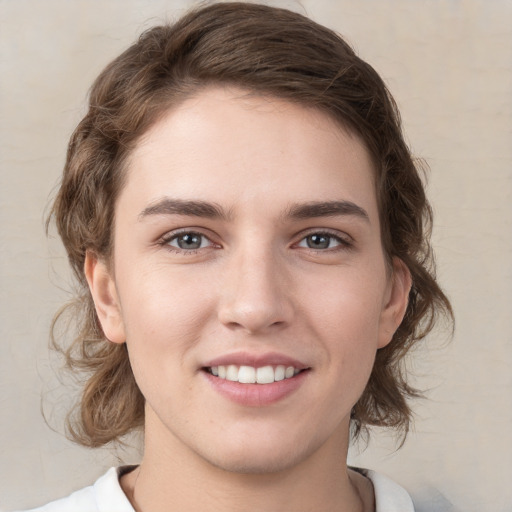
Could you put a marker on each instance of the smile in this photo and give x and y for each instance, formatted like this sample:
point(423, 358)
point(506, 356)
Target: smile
point(255, 380)
point(252, 375)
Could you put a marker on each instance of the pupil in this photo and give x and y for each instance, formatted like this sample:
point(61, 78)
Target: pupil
point(189, 242)
point(318, 241)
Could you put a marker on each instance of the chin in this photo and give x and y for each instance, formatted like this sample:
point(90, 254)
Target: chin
point(258, 460)
point(246, 466)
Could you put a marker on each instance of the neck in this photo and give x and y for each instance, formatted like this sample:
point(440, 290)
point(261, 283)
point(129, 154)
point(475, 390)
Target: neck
point(171, 473)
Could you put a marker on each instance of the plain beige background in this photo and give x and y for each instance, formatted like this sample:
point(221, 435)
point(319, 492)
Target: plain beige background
point(449, 65)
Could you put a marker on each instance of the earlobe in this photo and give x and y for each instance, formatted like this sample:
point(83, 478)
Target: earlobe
point(396, 302)
point(104, 294)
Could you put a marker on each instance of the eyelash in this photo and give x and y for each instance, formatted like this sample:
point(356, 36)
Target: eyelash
point(166, 240)
point(343, 243)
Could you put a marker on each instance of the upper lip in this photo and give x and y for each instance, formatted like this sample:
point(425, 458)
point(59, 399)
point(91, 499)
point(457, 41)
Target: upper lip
point(256, 360)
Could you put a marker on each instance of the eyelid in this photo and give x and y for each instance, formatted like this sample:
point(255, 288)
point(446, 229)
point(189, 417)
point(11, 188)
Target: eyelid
point(335, 233)
point(344, 239)
point(165, 239)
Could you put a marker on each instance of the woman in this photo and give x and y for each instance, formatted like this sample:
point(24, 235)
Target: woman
point(251, 237)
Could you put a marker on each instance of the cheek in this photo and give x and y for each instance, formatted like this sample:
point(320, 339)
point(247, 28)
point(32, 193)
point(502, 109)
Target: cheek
point(163, 317)
point(348, 302)
point(346, 317)
point(162, 304)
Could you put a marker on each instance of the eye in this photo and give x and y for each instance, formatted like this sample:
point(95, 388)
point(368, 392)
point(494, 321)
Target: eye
point(188, 241)
point(320, 241)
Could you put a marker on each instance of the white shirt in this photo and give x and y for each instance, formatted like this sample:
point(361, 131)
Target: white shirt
point(106, 495)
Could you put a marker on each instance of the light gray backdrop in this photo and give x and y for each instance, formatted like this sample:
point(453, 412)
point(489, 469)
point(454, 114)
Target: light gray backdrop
point(449, 65)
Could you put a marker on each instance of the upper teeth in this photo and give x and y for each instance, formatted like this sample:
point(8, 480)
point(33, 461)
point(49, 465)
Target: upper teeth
point(251, 375)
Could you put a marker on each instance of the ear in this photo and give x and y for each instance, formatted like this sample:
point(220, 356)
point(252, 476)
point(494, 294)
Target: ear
point(104, 294)
point(396, 301)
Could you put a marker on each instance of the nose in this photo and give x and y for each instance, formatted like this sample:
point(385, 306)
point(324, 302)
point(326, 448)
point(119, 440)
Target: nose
point(256, 293)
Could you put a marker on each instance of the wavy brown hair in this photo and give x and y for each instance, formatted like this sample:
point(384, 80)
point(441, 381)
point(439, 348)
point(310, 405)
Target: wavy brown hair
point(267, 51)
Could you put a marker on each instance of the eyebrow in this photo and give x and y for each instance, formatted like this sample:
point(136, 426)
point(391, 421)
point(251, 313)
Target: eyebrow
point(169, 206)
point(326, 209)
point(297, 211)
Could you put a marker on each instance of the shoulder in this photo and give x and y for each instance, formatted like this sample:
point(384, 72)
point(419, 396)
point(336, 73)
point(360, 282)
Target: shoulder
point(389, 496)
point(105, 495)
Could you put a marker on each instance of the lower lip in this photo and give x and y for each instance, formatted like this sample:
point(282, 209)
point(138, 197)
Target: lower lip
point(256, 395)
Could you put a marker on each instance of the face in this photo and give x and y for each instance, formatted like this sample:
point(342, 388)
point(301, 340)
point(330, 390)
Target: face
point(249, 280)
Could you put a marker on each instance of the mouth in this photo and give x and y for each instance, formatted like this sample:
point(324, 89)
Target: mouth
point(253, 375)
point(255, 380)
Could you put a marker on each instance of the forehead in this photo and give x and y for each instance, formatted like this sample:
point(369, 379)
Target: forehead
point(232, 147)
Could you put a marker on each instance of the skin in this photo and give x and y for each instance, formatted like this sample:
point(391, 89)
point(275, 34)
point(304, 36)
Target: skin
point(253, 285)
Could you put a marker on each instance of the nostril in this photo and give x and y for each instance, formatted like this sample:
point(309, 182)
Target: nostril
point(254, 319)
point(255, 303)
